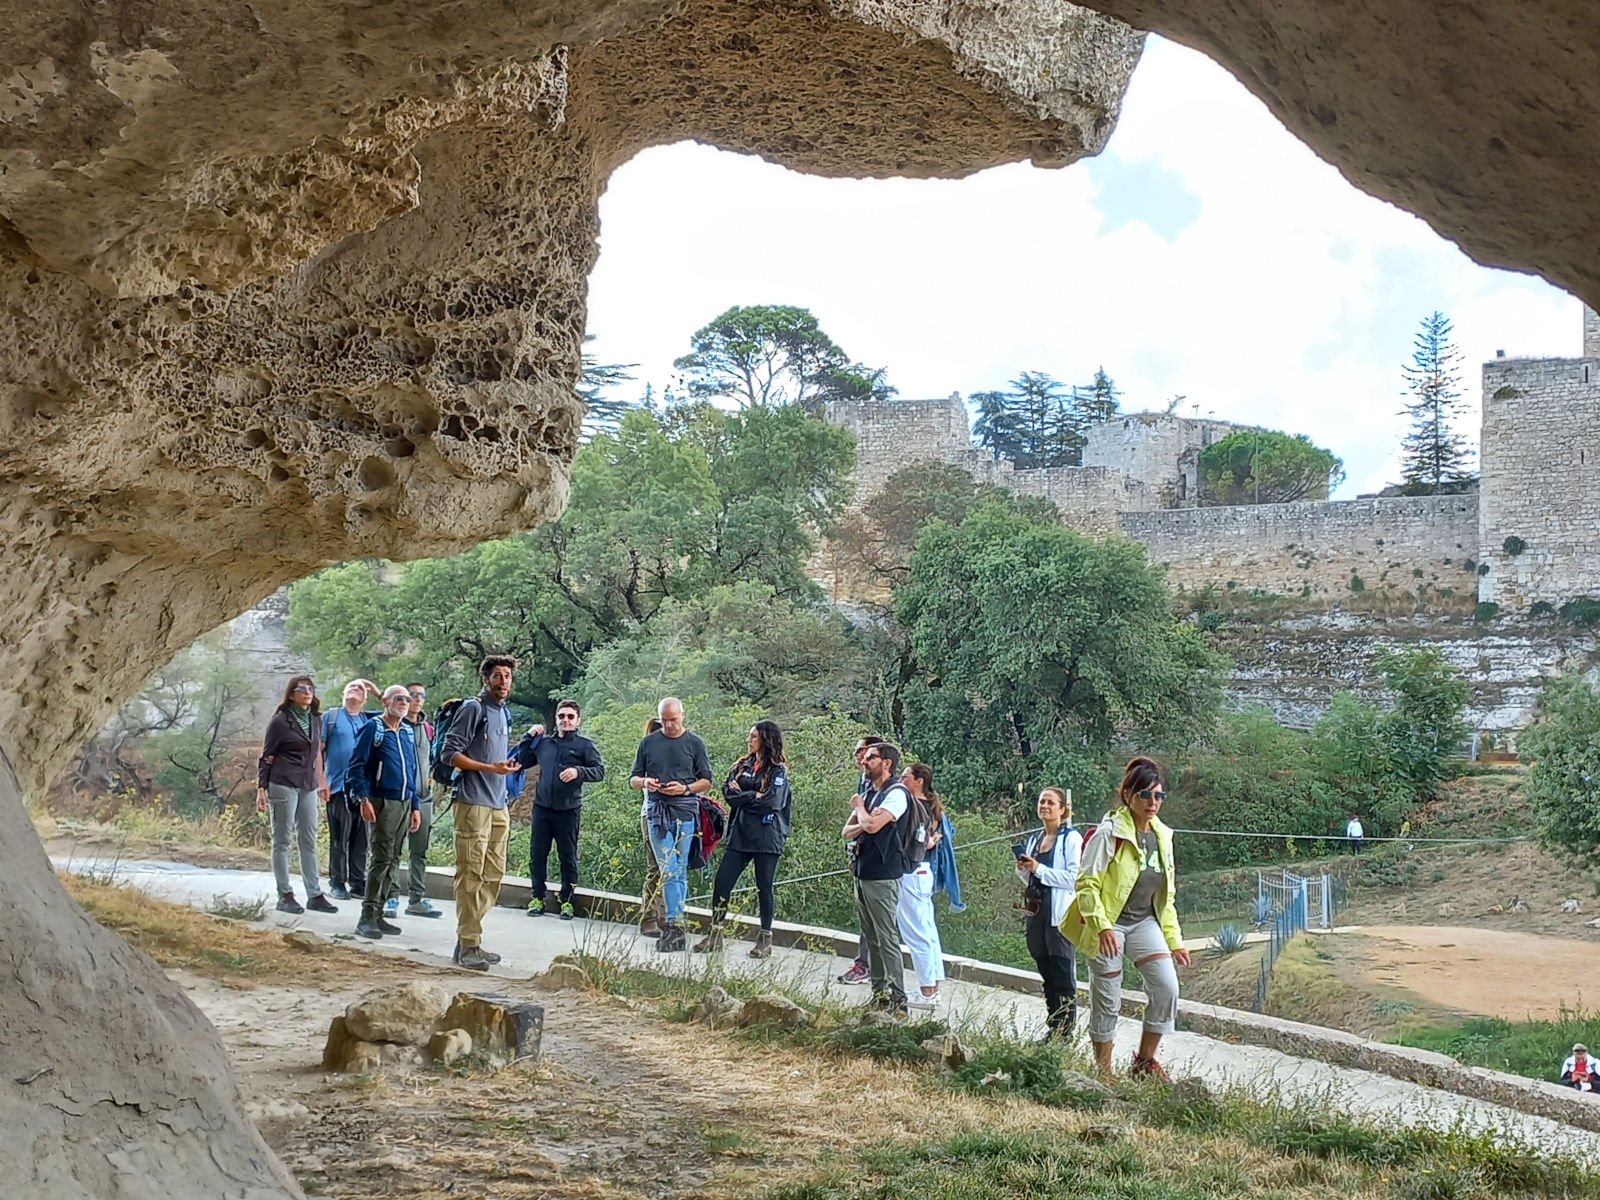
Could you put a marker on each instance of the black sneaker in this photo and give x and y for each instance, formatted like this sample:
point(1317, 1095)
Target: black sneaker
point(473, 959)
point(287, 903)
point(388, 927)
point(368, 929)
point(672, 938)
point(340, 892)
point(319, 903)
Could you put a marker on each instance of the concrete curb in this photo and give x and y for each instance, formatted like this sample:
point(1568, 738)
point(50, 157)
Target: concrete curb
point(1333, 1046)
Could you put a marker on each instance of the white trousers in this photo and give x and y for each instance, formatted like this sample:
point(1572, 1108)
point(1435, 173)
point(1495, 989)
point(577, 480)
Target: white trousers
point(915, 915)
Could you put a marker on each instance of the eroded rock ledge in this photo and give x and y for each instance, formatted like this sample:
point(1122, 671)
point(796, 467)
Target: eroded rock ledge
point(287, 282)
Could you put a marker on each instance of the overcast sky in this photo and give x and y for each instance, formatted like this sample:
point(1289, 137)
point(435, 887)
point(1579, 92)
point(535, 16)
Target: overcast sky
point(1206, 253)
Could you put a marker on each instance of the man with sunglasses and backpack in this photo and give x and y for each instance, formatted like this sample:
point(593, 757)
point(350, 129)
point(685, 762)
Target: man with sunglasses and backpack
point(878, 861)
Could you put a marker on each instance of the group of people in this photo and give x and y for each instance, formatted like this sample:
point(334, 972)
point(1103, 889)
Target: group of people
point(1109, 897)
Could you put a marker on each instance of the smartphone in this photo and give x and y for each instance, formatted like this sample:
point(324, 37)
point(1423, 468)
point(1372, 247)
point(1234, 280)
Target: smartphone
point(1019, 850)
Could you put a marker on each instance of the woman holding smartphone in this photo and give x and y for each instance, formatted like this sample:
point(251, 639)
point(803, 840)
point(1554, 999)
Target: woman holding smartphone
point(1047, 864)
point(1124, 908)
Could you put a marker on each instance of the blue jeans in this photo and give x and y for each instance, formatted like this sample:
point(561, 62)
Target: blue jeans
point(671, 847)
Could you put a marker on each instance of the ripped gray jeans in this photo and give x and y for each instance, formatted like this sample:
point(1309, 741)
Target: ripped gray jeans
point(1160, 981)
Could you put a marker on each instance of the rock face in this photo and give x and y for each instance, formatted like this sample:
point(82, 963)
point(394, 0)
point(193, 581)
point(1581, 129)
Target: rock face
point(292, 282)
point(1481, 120)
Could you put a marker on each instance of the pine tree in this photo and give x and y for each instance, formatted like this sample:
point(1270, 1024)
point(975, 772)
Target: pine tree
point(1035, 424)
point(1433, 453)
point(1101, 400)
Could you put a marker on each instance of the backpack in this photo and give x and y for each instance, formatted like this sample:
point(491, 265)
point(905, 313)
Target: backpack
point(711, 824)
point(441, 771)
point(918, 818)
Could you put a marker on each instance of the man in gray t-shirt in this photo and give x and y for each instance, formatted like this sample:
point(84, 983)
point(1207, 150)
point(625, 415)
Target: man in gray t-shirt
point(477, 746)
point(672, 769)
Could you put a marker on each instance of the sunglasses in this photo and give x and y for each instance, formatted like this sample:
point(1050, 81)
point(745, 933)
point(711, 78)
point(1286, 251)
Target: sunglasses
point(1156, 794)
point(419, 695)
point(304, 687)
point(569, 715)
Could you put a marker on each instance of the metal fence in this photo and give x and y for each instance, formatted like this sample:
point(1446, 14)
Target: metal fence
point(1297, 902)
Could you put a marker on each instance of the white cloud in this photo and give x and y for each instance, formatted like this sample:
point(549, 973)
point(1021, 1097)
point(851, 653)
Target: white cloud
point(1290, 299)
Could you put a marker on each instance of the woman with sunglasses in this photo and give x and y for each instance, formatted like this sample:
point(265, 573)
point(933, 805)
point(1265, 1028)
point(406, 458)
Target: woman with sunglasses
point(289, 782)
point(1124, 910)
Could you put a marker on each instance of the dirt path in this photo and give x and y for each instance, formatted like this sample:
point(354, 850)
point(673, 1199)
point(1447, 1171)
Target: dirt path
point(1491, 972)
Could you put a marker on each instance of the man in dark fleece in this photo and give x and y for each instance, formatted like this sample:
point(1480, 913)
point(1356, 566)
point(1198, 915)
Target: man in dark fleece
point(566, 762)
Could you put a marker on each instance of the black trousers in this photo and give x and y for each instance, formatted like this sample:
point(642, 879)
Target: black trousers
point(728, 871)
point(561, 827)
point(347, 846)
point(1056, 959)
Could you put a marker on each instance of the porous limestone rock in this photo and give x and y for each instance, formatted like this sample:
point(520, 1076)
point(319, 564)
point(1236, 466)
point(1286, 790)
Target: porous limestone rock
point(718, 1010)
point(1482, 119)
point(501, 1028)
point(291, 282)
point(772, 1009)
point(406, 1013)
point(560, 975)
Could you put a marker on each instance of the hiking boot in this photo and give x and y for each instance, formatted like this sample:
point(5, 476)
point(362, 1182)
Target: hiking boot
point(1147, 1068)
point(319, 903)
point(649, 929)
point(391, 906)
point(711, 943)
point(421, 908)
point(567, 911)
point(368, 928)
point(536, 907)
point(763, 946)
point(339, 892)
point(473, 958)
point(489, 956)
point(892, 1002)
point(672, 938)
point(856, 974)
point(388, 927)
point(287, 903)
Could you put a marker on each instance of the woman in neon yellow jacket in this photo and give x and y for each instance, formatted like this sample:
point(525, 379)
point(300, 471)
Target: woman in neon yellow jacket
point(1124, 908)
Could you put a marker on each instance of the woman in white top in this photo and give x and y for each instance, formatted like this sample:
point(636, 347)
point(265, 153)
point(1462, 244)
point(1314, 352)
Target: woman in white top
point(915, 909)
point(1048, 867)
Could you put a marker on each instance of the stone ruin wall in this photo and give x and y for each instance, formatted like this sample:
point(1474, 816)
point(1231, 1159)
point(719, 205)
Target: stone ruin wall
point(1314, 550)
point(1541, 478)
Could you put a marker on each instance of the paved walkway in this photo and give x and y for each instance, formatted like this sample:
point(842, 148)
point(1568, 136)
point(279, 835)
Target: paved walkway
point(528, 944)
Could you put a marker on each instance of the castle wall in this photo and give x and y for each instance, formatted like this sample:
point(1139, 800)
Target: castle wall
point(1148, 447)
point(1591, 332)
point(1313, 549)
point(1541, 478)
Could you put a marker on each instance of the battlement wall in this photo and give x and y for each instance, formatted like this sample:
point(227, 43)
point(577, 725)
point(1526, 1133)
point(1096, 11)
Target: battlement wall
point(1321, 550)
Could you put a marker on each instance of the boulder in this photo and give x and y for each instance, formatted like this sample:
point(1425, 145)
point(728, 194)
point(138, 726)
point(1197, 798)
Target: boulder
point(718, 1009)
point(1191, 1093)
point(407, 1014)
point(772, 1009)
point(560, 975)
point(948, 1051)
point(304, 939)
point(1077, 1081)
point(449, 1046)
point(361, 1058)
point(333, 1050)
point(501, 1028)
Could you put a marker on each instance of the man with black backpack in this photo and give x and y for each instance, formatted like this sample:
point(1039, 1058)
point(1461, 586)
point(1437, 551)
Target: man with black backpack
point(477, 744)
point(878, 861)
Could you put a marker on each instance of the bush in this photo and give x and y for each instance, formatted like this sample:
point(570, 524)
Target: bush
point(888, 1043)
point(1487, 610)
point(1583, 610)
point(1035, 1070)
point(1514, 545)
point(1561, 783)
point(1356, 584)
point(1542, 608)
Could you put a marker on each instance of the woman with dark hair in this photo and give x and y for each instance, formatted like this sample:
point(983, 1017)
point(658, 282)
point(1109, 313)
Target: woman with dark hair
point(290, 782)
point(652, 907)
point(757, 792)
point(1124, 908)
point(1048, 868)
point(914, 913)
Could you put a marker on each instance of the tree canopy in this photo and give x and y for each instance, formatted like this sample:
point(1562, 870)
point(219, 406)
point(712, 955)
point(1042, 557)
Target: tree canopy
point(1563, 784)
point(1433, 453)
point(1035, 646)
point(1266, 467)
point(775, 354)
point(1041, 422)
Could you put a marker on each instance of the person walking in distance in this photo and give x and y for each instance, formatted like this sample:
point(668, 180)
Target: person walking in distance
point(289, 782)
point(1125, 907)
point(857, 971)
point(757, 792)
point(672, 769)
point(347, 832)
point(877, 861)
point(476, 745)
point(385, 779)
point(1354, 831)
point(653, 905)
point(914, 911)
point(566, 762)
point(1047, 864)
point(418, 840)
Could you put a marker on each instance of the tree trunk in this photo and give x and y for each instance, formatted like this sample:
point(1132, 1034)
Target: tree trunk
point(112, 1084)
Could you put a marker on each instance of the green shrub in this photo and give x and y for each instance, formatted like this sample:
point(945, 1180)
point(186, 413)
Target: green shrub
point(1542, 608)
point(1514, 545)
point(1487, 610)
point(1583, 610)
point(1356, 584)
point(888, 1043)
point(1037, 1070)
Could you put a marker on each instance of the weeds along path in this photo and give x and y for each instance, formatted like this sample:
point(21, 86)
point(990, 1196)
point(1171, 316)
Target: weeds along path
point(529, 945)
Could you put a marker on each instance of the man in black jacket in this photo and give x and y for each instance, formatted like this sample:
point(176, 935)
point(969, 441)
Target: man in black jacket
point(566, 762)
point(877, 859)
